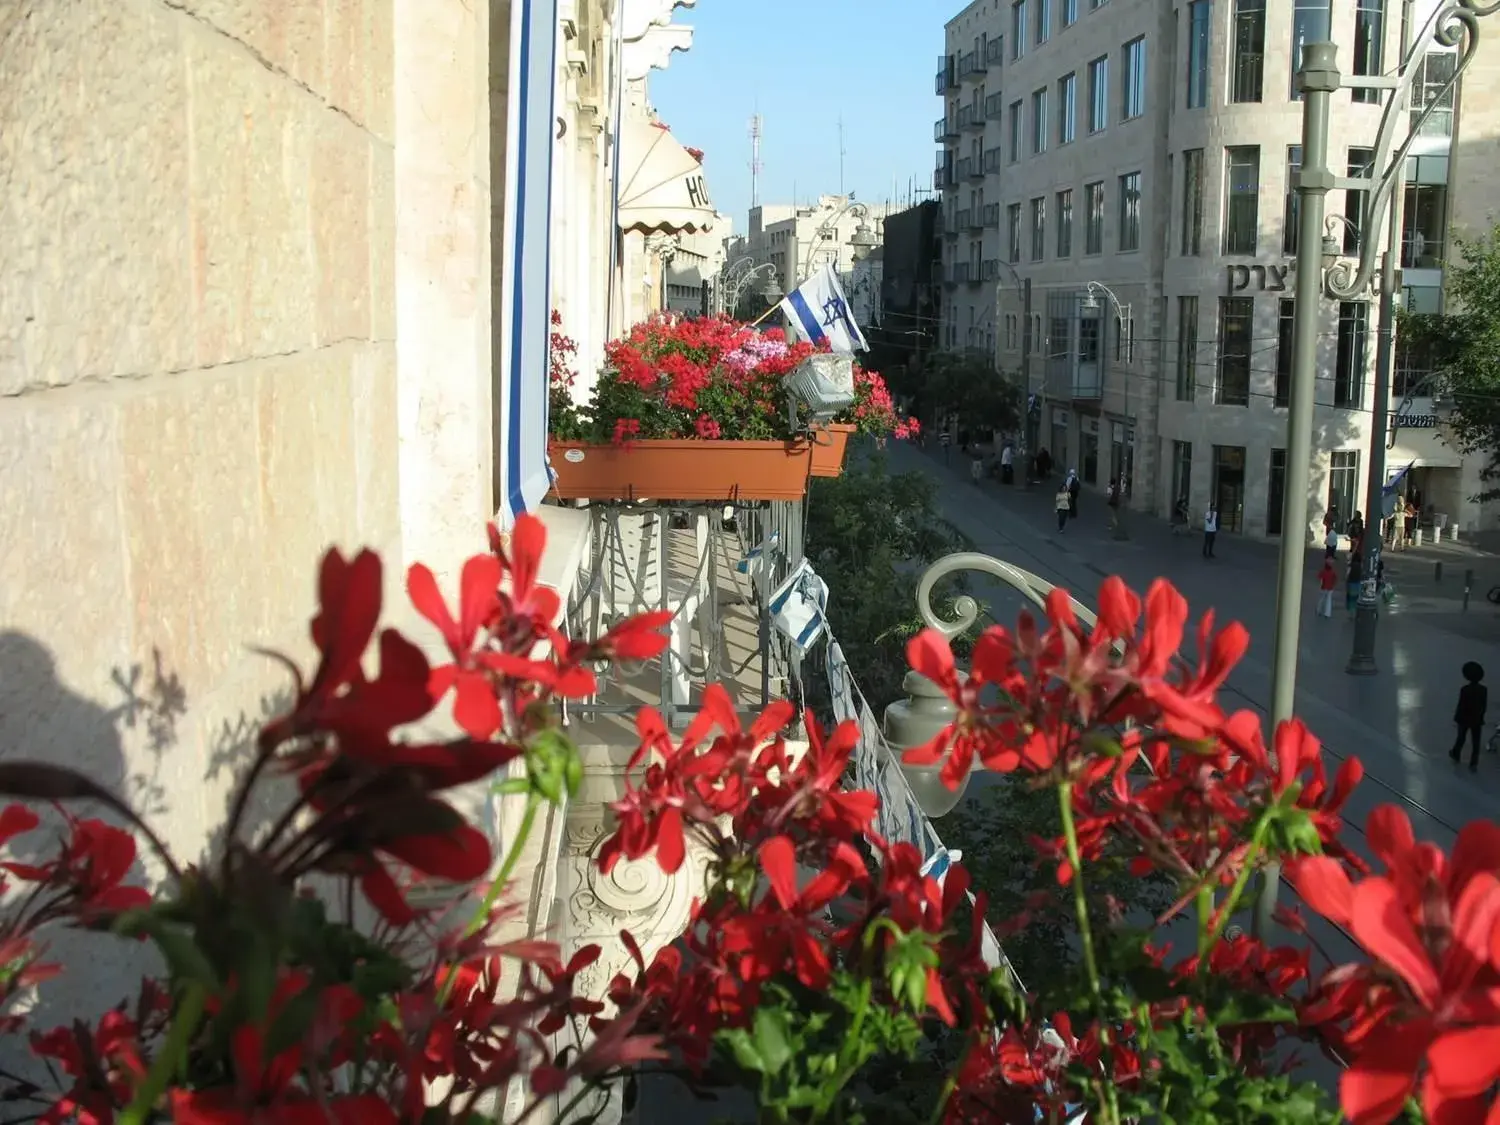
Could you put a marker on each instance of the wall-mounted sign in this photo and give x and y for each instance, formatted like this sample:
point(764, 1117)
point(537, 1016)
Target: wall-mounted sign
point(1091, 425)
point(697, 188)
point(1060, 417)
point(1415, 421)
point(1262, 279)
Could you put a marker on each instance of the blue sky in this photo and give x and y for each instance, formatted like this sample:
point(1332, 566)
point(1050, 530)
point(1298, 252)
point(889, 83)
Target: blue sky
point(801, 64)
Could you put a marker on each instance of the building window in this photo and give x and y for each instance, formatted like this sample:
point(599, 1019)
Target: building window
point(1349, 363)
point(1415, 364)
point(1236, 317)
point(1088, 341)
point(1360, 160)
point(1088, 445)
point(1192, 202)
point(1309, 25)
point(1014, 125)
point(1093, 218)
point(1187, 348)
point(1200, 28)
point(1130, 212)
point(1276, 492)
point(1247, 68)
point(1099, 94)
point(1069, 12)
point(1017, 29)
point(1433, 86)
point(1133, 79)
point(1039, 121)
point(1423, 222)
point(1182, 472)
point(1343, 483)
point(1369, 45)
point(1284, 354)
point(1013, 227)
point(1228, 485)
point(1067, 108)
point(1241, 198)
point(1043, 21)
point(1038, 228)
point(1065, 224)
point(1291, 212)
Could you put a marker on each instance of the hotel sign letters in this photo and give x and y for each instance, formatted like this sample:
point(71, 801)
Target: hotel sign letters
point(697, 189)
point(1263, 279)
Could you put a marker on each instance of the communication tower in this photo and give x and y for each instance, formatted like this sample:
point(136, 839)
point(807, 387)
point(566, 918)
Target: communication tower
point(755, 165)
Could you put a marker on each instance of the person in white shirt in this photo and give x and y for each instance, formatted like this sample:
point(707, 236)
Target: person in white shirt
point(1210, 529)
point(1007, 465)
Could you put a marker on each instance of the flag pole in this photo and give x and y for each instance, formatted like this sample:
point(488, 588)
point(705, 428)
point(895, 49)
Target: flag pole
point(763, 315)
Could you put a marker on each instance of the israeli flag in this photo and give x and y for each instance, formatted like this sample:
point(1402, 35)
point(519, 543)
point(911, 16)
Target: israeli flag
point(1390, 487)
point(818, 311)
point(938, 862)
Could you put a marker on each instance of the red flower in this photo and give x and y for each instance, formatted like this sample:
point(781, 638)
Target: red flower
point(475, 707)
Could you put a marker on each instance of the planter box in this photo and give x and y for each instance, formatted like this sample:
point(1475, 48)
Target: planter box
point(829, 448)
point(682, 470)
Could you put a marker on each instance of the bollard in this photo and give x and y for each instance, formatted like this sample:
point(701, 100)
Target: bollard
point(1468, 585)
point(1437, 572)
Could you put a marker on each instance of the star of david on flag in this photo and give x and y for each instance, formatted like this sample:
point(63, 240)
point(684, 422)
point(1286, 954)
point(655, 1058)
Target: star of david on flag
point(817, 310)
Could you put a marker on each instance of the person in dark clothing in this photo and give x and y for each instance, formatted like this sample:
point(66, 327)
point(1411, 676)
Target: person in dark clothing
point(1043, 463)
point(1468, 715)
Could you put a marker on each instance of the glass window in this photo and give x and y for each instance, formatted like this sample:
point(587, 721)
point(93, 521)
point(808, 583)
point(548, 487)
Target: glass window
point(1349, 363)
point(1067, 108)
point(1065, 224)
point(1182, 472)
point(1415, 361)
point(1433, 86)
point(1284, 353)
point(1423, 223)
point(1247, 68)
point(1043, 21)
point(1013, 226)
point(1088, 468)
point(1309, 25)
point(1015, 131)
point(1276, 492)
point(1228, 485)
point(1200, 28)
point(1192, 202)
point(1343, 482)
point(1187, 348)
point(1069, 12)
point(1369, 45)
point(1088, 340)
point(1039, 121)
point(1236, 316)
point(1130, 212)
point(1038, 228)
point(1093, 218)
point(1360, 160)
point(1133, 79)
point(1058, 330)
point(1017, 29)
point(1099, 94)
point(1241, 198)
point(1293, 207)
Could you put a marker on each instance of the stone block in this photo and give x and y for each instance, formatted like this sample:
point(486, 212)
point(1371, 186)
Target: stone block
point(377, 504)
point(380, 70)
point(94, 172)
point(252, 156)
point(197, 551)
point(382, 244)
point(346, 25)
point(341, 228)
point(286, 34)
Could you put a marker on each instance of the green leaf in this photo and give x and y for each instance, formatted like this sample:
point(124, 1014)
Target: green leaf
point(773, 1038)
point(291, 1023)
point(184, 958)
point(743, 1049)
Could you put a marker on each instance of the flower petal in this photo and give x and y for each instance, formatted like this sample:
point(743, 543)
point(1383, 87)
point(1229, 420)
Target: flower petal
point(778, 859)
point(1382, 926)
point(1467, 1062)
point(1374, 1089)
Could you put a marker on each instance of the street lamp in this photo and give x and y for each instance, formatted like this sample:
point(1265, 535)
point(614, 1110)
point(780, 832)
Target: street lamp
point(863, 237)
point(733, 286)
point(1122, 312)
point(1453, 23)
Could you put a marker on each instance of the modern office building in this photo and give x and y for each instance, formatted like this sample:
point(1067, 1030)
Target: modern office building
point(1150, 149)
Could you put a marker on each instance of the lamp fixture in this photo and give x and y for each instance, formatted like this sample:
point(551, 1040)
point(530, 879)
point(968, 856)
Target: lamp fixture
point(823, 384)
point(863, 237)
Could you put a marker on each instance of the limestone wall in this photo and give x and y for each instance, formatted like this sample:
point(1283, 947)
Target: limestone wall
point(198, 384)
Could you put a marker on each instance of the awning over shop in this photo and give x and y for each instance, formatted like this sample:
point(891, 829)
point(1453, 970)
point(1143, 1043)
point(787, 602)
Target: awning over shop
point(662, 189)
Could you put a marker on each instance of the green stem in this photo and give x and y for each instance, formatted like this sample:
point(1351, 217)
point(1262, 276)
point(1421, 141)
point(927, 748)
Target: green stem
point(1247, 868)
point(173, 1054)
point(534, 802)
point(1205, 900)
point(1086, 939)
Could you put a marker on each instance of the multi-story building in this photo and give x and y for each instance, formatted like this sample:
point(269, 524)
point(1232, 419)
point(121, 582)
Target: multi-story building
point(836, 230)
point(1152, 150)
point(690, 267)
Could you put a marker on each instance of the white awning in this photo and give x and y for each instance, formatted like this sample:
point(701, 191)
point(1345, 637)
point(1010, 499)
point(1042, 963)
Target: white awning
point(662, 189)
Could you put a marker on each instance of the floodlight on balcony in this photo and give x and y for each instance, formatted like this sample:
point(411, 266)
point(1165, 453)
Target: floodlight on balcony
point(823, 385)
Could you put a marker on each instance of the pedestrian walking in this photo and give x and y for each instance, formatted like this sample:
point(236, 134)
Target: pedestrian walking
point(1072, 484)
point(1356, 533)
point(1468, 714)
point(1328, 580)
point(1063, 502)
point(1210, 529)
point(1331, 544)
point(1112, 498)
point(1008, 465)
point(1352, 582)
point(976, 469)
point(1043, 463)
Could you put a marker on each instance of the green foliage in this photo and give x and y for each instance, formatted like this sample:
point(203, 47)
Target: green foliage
point(870, 535)
point(967, 385)
point(1462, 347)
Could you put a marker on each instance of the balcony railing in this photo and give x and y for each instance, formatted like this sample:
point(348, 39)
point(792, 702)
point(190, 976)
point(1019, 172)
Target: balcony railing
point(965, 116)
point(990, 217)
point(992, 161)
point(962, 219)
point(976, 219)
point(976, 169)
point(951, 126)
point(972, 65)
point(994, 52)
point(975, 119)
point(940, 129)
point(979, 275)
point(943, 81)
point(958, 273)
point(963, 169)
point(994, 107)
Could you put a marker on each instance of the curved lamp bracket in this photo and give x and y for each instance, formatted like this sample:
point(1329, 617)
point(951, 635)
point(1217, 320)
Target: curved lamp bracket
point(1032, 586)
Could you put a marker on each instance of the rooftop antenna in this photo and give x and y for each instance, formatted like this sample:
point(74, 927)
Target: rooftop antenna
point(756, 126)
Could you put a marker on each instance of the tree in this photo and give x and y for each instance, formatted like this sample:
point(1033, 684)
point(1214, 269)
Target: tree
point(966, 385)
point(1462, 350)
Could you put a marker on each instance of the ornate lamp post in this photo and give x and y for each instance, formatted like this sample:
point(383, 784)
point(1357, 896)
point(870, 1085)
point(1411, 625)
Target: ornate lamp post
point(1455, 23)
point(733, 285)
point(863, 238)
point(1122, 312)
